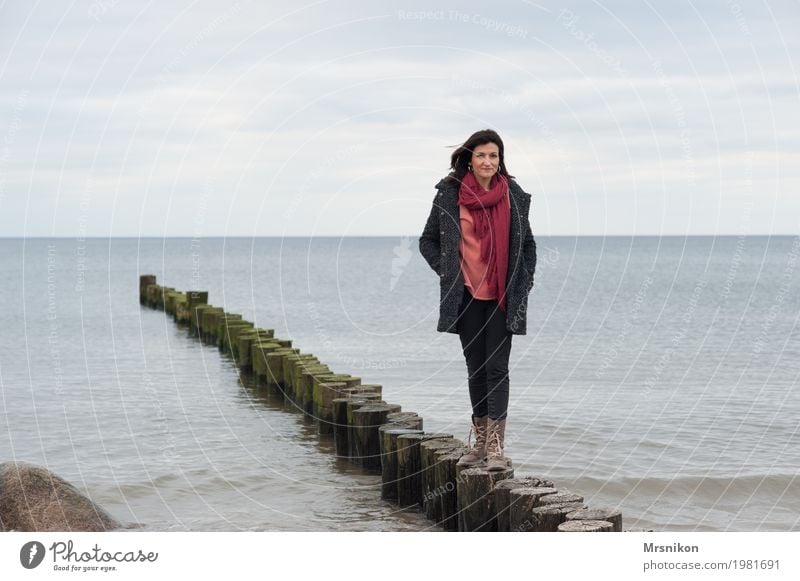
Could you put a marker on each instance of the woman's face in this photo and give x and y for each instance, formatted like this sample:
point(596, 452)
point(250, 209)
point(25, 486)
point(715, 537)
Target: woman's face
point(485, 160)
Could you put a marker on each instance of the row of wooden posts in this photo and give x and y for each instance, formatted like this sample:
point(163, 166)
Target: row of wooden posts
point(418, 469)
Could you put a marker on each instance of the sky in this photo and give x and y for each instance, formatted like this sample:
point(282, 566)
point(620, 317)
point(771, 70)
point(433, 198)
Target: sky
point(332, 118)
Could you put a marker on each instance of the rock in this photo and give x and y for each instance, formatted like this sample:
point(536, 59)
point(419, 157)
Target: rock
point(34, 499)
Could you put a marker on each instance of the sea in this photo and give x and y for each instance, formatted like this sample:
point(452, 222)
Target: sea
point(658, 376)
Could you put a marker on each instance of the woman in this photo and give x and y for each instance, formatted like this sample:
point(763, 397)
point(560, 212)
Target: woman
point(478, 240)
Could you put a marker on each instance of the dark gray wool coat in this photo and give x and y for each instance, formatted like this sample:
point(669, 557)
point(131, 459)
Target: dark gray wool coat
point(439, 245)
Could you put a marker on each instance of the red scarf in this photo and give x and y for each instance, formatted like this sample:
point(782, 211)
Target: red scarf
point(491, 214)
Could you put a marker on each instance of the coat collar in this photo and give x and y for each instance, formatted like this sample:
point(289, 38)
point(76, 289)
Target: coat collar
point(450, 188)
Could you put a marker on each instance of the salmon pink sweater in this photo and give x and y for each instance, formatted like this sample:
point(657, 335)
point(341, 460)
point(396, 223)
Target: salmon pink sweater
point(472, 267)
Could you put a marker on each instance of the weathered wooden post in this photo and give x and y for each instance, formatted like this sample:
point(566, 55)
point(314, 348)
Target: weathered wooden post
point(231, 331)
point(611, 515)
point(161, 295)
point(196, 320)
point(208, 321)
point(343, 408)
point(409, 467)
point(220, 330)
point(258, 357)
point(288, 364)
point(326, 389)
point(186, 304)
point(243, 347)
point(532, 511)
point(307, 375)
point(274, 368)
point(446, 484)
point(428, 451)
point(476, 498)
point(353, 404)
point(388, 434)
point(406, 417)
point(502, 497)
point(144, 281)
point(586, 526)
point(366, 421)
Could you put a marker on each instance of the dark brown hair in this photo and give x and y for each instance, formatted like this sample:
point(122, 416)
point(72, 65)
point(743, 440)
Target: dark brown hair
point(463, 155)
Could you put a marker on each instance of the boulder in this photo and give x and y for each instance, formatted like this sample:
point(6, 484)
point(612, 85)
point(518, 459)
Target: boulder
point(34, 499)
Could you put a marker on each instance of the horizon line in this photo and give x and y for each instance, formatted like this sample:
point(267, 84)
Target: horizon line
point(739, 235)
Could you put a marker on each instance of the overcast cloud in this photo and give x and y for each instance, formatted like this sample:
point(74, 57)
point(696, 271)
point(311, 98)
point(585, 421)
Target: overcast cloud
point(121, 118)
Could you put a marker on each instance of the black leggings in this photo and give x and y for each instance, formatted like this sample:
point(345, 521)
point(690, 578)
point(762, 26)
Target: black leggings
point(487, 346)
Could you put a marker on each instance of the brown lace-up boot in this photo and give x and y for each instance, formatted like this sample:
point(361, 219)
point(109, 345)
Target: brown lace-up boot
point(496, 433)
point(476, 453)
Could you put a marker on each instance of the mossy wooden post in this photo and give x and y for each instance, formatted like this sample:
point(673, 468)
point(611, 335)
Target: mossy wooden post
point(155, 296)
point(259, 352)
point(230, 335)
point(150, 295)
point(162, 297)
point(428, 460)
point(152, 291)
point(446, 485)
point(329, 389)
point(182, 313)
point(312, 389)
point(324, 390)
point(308, 386)
point(308, 375)
point(292, 367)
point(502, 497)
point(229, 330)
point(409, 465)
point(243, 348)
point(309, 378)
point(305, 391)
point(274, 365)
point(169, 301)
point(353, 404)
point(234, 329)
point(367, 388)
point(313, 386)
point(611, 515)
point(184, 309)
point(342, 426)
point(209, 323)
point(288, 363)
point(144, 281)
point(197, 319)
point(388, 434)
point(324, 416)
point(221, 324)
point(585, 526)
point(258, 357)
point(366, 421)
point(195, 298)
point(476, 498)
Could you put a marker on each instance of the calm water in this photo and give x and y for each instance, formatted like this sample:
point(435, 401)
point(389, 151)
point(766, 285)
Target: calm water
point(658, 375)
